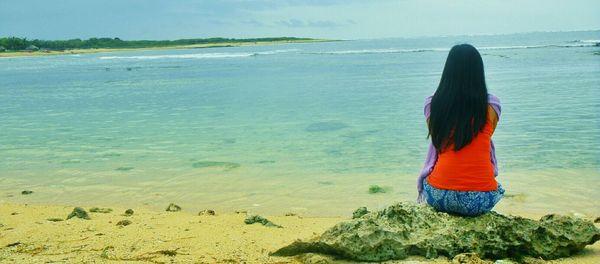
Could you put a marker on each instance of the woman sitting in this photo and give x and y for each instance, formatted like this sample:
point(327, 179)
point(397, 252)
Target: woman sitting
point(460, 172)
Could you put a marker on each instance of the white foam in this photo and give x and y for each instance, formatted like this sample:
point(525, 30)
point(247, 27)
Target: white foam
point(593, 41)
point(199, 55)
point(590, 43)
point(375, 51)
point(180, 56)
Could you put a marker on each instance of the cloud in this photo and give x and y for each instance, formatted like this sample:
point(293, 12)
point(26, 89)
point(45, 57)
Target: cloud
point(297, 23)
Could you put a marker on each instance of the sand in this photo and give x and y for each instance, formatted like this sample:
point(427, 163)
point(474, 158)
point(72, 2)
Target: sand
point(27, 236)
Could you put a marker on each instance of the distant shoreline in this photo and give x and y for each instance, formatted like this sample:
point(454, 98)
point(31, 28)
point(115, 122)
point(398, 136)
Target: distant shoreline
point(24, 53)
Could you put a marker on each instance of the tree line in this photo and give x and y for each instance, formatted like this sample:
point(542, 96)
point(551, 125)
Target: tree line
point(15, 43)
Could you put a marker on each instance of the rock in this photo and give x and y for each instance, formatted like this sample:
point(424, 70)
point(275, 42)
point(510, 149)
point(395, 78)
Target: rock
point(376, 189)
point(311, 258)
point(469, 258)
point(55, 219)
point(405, 229)
point(129, 212)
point(207, 212)
point(14, 244)
point(100, 210)
point(359, 212)
point(26, 192)
point(291, 214)
point(530, 260)
point(124, 223)
point(597, 220)
point(79, 213)
point(259, 219)
point(168, 252)
point(173, 208)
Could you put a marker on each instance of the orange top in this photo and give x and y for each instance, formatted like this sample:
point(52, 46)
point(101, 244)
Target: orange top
point(470, 168)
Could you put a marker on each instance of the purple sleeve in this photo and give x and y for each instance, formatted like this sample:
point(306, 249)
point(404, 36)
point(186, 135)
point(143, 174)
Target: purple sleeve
point(495, 103)
point(429, 160)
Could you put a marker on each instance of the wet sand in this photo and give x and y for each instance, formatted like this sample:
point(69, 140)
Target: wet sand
point(28, 236)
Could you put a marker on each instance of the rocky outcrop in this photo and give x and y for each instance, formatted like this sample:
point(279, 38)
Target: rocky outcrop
point(405, 229)
point(79, 212)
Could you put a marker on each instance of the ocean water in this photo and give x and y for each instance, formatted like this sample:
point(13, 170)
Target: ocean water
point(303, 128)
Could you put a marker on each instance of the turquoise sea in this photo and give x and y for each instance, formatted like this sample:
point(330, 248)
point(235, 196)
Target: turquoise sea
point(303, 128)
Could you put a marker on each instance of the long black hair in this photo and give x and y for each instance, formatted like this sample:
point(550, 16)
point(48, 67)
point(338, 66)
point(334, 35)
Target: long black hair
point(459, 105)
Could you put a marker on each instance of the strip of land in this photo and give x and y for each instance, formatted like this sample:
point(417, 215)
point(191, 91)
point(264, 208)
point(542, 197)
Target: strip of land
point(16, 47)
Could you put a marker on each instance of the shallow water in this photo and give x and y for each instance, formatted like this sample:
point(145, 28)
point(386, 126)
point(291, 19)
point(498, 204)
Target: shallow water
point(300, 127)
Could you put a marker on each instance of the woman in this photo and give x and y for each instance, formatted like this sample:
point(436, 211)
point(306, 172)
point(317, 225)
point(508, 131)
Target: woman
point(459, 173)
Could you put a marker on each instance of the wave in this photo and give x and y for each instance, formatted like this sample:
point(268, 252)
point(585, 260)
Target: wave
point(376, 51)
point(587, 43)
point(198, 55)
point(593, 41)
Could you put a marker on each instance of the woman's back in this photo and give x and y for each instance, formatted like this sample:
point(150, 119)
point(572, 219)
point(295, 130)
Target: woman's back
point(470, 168)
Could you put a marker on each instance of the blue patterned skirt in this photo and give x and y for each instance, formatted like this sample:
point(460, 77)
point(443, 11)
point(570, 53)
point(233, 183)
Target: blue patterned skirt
point(470, 203)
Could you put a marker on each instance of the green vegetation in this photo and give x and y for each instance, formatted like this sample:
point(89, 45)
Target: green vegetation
point(15, 44)
point(376, 189)
point(216, 164)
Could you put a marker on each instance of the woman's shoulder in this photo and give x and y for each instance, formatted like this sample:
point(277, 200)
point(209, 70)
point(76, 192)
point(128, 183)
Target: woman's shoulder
point(494, 103)
point(492, 99)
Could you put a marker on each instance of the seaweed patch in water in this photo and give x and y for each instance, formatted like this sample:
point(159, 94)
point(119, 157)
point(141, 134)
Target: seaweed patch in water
point(378, 189)
point(325, 183)
point(124, 168)
point(325, 126)
point(111, 154)
point(216, 164)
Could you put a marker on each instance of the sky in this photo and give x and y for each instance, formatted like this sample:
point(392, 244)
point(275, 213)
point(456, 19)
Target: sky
point(333, 19)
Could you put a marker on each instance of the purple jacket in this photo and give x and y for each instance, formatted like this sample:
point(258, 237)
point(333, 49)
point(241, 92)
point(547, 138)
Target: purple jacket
point(432, 153)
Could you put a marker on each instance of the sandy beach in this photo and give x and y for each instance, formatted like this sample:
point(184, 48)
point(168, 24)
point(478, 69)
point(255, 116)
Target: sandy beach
point(39, 234)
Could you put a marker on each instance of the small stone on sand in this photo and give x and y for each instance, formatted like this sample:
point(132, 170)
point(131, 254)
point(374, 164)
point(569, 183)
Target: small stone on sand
point(79, 213)
point(26, 192)
point(129, 212)
point(124, 223)
point(207, 212)
point(259, 219)
point(173, 208)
